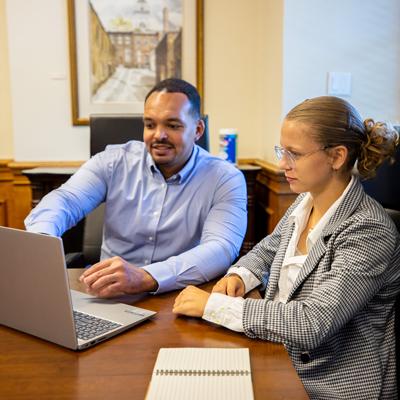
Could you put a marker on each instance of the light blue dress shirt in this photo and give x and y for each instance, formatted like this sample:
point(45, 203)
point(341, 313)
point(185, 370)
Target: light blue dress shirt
point(187, 229)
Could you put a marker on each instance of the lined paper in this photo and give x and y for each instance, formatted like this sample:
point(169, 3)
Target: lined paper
point(201, 373)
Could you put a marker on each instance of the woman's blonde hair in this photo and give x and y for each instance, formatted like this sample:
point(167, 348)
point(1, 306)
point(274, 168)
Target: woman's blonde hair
point(336, 122)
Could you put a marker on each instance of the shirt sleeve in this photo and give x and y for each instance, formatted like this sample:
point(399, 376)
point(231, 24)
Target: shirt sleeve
point(225, 311)
point(249, 279)
point(222, 236)
point(64, 207)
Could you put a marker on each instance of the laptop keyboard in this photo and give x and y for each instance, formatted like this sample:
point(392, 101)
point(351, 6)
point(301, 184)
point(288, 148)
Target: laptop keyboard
point(87, 326)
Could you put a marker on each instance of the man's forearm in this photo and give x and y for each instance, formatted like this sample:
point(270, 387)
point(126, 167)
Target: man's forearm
point(200, 264)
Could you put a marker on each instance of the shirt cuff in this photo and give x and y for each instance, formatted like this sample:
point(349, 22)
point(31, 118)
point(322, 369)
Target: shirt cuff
point(43, 227)
point(225, 310)
point(249, 279)
point(162, 275)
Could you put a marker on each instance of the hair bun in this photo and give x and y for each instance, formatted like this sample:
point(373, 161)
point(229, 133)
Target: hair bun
point(379, 144)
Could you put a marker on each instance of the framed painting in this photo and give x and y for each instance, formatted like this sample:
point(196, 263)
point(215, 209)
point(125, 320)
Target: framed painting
point(119, 49)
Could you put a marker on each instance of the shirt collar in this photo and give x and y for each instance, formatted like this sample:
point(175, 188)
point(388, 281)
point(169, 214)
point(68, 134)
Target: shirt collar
point(300, 215)
point(182, 175)
point(316, 232)
point(190, 164)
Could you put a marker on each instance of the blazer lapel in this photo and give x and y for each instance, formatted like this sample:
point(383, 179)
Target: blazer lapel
point(275, 270)
point(346, 208)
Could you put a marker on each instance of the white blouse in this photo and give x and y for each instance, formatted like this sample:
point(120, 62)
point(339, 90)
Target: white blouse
point(228, 311)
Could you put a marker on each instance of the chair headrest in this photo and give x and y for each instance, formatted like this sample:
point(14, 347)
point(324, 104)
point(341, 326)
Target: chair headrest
point(120, 128)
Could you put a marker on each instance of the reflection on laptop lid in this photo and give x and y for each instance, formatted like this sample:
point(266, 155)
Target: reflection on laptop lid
point(35, 296)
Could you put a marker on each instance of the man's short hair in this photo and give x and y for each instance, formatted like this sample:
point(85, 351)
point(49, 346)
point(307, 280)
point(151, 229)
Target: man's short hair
point(174, 85)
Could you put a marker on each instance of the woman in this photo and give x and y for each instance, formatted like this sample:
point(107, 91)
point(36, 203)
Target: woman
point(331, 267)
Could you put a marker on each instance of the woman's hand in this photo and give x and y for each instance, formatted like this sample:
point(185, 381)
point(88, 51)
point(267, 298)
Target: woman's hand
point(191, 302)
point(232, 285)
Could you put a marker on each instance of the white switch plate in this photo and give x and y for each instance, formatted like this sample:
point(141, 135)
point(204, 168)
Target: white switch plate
point(58, 76)
point(339, 83)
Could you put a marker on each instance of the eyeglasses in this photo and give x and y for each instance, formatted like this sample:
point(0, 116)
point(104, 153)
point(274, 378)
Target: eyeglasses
point(291, 156)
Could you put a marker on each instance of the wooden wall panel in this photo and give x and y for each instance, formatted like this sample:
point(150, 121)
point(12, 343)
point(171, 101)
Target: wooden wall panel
point(6, 187)
point(16, 191)
point(21, 199)
point(3, 212)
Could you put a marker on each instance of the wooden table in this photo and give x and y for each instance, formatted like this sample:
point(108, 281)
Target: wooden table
point(121, 367)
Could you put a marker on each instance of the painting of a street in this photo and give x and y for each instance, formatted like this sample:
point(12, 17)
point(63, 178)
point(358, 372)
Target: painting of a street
point(133, 45)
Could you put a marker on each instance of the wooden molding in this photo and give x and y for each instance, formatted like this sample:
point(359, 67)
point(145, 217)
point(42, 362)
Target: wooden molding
point(265, 165)
point(20, 165)
point(4, 163)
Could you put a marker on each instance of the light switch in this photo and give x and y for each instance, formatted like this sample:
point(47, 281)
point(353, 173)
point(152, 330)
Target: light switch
point(58, 76)
point(339, 83)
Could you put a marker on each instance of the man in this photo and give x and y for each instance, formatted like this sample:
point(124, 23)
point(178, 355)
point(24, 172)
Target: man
point(174, 214)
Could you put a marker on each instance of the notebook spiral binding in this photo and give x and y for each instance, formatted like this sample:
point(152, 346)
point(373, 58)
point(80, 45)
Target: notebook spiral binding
point(189, 372)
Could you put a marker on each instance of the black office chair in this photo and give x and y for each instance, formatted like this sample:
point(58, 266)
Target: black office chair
point(384, 187)
point(109, 129)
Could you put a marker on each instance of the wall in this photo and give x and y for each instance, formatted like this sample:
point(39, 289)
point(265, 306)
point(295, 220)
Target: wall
point(268, 89)
point(41, 95)
point(357, 36)
point(38, 55)
point(243, 88)
point(264, 57)
point(261, 58)
point(230, 71)
point(6, 133)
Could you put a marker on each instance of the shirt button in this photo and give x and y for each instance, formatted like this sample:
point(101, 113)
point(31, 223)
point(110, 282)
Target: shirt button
point(151, 238)
point(155, 213)
point(146, 261)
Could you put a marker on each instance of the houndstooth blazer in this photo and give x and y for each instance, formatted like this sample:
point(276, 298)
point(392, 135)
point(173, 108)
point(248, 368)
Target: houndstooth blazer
point(338, 323)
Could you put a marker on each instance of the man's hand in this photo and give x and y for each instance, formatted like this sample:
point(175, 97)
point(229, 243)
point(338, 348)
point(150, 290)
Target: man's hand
point(191, 302)
point(116, 277)
point(232, 285)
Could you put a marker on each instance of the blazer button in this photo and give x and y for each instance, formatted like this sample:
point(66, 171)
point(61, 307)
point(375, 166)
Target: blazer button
point(305, 357)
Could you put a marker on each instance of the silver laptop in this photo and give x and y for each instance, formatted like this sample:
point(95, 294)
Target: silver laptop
point(35, 296)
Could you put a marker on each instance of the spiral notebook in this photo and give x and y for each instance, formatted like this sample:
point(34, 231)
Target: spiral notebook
point(201, 373)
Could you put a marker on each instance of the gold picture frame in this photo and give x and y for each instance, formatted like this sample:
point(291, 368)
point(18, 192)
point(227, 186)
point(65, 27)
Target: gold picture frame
point(78, 24)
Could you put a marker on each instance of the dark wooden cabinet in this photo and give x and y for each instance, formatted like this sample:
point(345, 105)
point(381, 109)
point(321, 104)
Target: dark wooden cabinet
point(250, 173)
point(271, 197)
point(43, 181)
